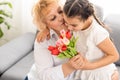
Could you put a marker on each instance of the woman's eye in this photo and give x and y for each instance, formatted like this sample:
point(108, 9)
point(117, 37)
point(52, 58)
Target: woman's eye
point(60, 11)
point(53, 18)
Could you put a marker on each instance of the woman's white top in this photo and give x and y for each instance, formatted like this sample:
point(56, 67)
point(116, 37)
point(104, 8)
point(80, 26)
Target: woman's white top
point(47, 66)
point(87, 46)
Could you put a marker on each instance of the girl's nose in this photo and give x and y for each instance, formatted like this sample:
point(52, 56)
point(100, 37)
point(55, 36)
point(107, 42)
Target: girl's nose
point(70, 28)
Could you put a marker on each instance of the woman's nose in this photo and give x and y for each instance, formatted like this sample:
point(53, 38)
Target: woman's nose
point(60, 18)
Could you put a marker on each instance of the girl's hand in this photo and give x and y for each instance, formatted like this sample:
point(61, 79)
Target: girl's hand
point(80, 63)
point(115, 75)
point(45, 34)
point(77, 62)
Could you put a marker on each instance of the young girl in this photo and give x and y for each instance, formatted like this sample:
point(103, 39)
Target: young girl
point(94, 43)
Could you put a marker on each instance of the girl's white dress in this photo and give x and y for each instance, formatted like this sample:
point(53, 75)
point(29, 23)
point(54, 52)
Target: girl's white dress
point(87, 46)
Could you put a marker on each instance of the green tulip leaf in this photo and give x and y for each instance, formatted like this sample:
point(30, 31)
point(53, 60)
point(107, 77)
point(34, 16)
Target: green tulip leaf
point(1, 33)
point(1, 20)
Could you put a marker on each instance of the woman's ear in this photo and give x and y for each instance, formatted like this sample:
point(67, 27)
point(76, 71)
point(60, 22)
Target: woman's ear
point(41, 25)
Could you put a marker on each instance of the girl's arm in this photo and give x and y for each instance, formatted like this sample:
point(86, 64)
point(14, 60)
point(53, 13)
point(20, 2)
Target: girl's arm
point(45, 34)
point(111, 55)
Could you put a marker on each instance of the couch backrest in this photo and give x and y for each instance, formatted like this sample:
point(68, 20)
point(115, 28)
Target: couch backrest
point(113, 21)
point(98, 12)
point(13, 51)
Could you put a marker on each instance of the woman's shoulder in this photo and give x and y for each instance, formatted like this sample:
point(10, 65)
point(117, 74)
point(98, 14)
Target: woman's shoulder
point(45, 43)
point(42, 44)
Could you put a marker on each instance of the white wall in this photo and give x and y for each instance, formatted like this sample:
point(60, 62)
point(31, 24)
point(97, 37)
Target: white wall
point(27, 23)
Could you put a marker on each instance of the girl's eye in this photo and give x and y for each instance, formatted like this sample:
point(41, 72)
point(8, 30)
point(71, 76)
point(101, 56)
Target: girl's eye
point(74, 25)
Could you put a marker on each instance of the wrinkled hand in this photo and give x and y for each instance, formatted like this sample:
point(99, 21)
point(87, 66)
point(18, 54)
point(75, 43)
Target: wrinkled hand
point(41, 36)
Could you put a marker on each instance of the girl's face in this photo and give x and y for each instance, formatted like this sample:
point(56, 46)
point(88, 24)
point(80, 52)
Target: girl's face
point(75, 23)
point(54, 19)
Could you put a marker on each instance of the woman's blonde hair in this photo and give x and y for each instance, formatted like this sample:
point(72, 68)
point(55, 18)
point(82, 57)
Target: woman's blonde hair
point(39, 11)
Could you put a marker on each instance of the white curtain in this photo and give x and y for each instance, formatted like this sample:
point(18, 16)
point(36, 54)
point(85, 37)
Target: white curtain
point(27, 23)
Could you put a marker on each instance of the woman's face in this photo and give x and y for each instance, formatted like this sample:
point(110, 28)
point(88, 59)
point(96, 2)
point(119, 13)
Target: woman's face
point(54, 19)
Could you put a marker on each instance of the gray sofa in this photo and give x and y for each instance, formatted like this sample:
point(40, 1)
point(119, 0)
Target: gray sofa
point(16, 57)
point(113, 21)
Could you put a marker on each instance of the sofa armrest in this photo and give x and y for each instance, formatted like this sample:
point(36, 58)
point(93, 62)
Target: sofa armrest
point(14, 50)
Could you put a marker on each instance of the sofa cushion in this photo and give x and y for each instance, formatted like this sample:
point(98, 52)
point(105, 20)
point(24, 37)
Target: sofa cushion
point(14, 50)
point(20, 69)
point(114, 23)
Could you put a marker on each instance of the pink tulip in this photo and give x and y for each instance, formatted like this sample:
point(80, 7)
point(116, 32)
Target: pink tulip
point(65, 41)
point(59, 42)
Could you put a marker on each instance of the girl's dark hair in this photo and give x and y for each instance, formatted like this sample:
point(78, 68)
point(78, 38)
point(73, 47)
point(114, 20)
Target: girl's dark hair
point(82, 8)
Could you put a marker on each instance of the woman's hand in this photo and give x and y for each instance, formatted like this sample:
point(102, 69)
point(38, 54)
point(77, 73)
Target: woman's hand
point(45, 34)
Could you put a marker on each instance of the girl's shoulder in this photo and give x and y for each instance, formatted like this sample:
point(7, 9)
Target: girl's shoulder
point(99, 33)
point(97, 28)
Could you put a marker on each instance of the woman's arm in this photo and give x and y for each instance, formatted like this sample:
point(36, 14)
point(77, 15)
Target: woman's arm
point(45, 64)
point(67, 69)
